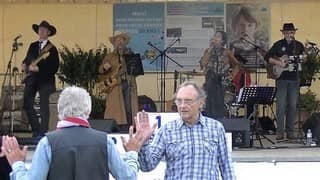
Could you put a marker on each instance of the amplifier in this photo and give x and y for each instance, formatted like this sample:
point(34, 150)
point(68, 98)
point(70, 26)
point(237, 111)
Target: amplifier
point(240, 129)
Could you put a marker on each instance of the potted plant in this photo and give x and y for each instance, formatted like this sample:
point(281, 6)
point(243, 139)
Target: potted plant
point(79, 67)
point(308, 102)
point(311, 68)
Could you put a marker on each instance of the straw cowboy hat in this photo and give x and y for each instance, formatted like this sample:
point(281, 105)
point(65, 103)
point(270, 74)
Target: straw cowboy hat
point(120, 34)
point(45, 24)
point(288, 27)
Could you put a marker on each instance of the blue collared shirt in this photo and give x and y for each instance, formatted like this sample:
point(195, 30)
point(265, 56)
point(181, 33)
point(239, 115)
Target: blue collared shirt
point(121, 168)
point(196, 152)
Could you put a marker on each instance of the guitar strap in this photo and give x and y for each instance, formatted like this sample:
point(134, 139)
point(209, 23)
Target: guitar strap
point(46, 48)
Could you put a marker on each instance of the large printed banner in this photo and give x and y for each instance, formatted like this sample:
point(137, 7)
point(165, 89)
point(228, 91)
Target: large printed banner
point(194, 23)
point(145, 24)
point(184, 30)
point(248, 28)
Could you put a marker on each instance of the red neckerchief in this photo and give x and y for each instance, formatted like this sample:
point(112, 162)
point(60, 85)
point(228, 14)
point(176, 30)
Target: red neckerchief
point(79, 121)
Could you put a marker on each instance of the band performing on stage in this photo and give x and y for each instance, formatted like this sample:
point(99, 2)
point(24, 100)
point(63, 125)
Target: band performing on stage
point(227, 70)
point(222, 84)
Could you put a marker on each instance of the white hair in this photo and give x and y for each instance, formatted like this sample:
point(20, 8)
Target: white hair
point(74, 102)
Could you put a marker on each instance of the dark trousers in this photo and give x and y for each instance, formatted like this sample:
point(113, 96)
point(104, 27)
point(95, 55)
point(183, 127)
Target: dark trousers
point(215, 96)
point(5, 169)
point(126, 91)
point(31, 88)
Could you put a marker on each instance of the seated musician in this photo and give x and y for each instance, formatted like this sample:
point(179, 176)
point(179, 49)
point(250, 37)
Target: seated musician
point(121, 88)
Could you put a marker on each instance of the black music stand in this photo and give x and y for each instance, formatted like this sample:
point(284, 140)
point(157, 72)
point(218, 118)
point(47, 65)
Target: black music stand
point(256, 95)
point(134, 64)
point(134, 68)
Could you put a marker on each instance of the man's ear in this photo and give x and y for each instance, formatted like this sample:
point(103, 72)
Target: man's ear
point(202, 102)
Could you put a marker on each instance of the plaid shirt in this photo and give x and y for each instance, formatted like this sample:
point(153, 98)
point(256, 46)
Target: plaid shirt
point(195, 152)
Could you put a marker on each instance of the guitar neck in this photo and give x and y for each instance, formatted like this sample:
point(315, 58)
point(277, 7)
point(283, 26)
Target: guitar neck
point(43, 56)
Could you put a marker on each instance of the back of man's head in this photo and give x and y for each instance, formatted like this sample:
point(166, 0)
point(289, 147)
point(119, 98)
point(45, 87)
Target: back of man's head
point(74, 102)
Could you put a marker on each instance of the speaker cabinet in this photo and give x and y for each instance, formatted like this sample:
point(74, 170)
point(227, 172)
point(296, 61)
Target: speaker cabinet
point(105, 125)
point(240, 129)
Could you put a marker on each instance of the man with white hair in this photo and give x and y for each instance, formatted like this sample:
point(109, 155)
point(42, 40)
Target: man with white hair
point(74, 150)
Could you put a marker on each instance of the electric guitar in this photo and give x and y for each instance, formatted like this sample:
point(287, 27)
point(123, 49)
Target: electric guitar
point(27, 73)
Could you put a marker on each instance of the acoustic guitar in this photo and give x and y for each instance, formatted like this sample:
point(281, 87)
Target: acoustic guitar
point(275, 71)
point(107, 82)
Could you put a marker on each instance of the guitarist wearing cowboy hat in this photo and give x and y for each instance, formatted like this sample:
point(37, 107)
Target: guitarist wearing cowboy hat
point(287, 83)
point(40, 64)
point(120, 87)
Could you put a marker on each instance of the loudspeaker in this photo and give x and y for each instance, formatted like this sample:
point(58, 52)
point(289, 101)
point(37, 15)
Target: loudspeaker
point(240, 129)
point(105, 125)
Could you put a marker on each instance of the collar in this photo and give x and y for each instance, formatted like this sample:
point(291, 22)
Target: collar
point(73, 121)
point(44, 43)
point(201, 120)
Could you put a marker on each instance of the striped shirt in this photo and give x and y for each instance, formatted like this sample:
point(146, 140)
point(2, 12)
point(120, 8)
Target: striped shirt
point(191, 153)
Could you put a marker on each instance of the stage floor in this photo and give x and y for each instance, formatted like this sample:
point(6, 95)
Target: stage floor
point(284, 160)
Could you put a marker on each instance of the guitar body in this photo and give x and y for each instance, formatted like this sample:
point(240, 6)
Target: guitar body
point(278, 70)
point(107, 85)
point(275, 71)
point(28, 73)
point(270, 71)
point(110, 79)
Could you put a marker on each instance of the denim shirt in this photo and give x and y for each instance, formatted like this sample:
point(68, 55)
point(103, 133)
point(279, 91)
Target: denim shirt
point(124, 169)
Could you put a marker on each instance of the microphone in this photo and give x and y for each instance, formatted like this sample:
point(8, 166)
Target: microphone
point(243, 34)
point(149, 43)
point(16, 38)
point(15, 69)
point(312, 43)
point(178, 40)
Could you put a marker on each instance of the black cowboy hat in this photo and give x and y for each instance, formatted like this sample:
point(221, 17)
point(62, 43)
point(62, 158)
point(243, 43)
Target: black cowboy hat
point(288, 27)
point(45, 24)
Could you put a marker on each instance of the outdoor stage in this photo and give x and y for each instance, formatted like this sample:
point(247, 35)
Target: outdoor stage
point(282, 161)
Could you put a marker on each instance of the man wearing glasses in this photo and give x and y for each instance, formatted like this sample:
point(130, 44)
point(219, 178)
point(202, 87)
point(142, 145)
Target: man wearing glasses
point(194, 146)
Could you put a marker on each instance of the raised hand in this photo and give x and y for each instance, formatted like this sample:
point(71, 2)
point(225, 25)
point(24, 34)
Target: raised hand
point(12, 151)
point(2, 152)
point(143, 128)
point(134, 143)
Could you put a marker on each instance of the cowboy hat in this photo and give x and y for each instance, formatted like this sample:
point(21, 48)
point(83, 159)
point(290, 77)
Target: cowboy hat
point(288, 27)
point(117, 34)
point(45, 24)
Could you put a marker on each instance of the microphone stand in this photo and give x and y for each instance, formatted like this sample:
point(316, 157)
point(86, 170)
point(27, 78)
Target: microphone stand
point(298, 67)
point(256, 47)
point(10, 90)
point(163, 57)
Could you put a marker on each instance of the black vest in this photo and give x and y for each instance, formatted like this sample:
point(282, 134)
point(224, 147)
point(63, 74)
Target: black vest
point(78, 153)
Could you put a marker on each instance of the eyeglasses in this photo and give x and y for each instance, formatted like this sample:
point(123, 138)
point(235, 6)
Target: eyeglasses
point(188, 102)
